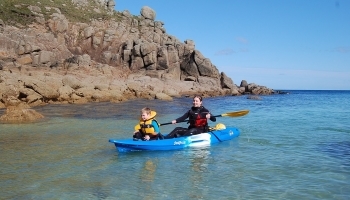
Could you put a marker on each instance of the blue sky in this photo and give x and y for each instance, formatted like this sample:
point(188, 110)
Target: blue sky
point(289, 44)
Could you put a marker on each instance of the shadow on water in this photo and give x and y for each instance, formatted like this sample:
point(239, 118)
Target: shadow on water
point(102, 110)
point(337, 130)
point(339, 150)
point(90, 110)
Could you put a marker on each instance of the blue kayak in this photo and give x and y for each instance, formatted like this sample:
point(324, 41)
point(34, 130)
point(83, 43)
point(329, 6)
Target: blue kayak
point(203, 139)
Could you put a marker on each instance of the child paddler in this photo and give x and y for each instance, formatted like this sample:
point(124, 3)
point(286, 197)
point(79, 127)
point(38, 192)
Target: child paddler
point(148, 127)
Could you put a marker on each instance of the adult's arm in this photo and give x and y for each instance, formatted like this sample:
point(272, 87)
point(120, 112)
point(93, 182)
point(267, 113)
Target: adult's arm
point(212, 118)
point(183, 117)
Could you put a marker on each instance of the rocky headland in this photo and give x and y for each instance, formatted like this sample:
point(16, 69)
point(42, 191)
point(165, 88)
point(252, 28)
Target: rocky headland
point(80, 51)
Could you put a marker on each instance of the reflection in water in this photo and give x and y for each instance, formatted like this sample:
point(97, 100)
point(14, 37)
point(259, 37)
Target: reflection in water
point(199, 168)
point(147, 175)
point(147, 178)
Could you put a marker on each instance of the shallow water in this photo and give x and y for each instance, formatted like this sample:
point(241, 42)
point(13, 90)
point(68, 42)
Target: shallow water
point(294, 146)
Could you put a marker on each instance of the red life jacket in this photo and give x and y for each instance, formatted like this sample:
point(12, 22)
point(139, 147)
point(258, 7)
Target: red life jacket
point(196, 120)
point(200, 122)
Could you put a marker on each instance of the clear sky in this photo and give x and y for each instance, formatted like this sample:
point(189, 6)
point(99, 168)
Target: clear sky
point(280, 44)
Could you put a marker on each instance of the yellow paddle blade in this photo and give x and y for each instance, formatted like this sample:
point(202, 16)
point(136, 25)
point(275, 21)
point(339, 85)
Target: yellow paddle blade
point(236, 114)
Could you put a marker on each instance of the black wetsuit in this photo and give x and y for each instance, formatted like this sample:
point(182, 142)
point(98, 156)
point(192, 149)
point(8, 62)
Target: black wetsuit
point(195, 113)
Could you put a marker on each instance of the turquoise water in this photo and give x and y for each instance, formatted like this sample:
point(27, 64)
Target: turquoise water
point(294, 146)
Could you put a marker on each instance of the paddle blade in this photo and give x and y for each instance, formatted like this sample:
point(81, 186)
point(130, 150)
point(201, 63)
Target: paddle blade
point(236, 114)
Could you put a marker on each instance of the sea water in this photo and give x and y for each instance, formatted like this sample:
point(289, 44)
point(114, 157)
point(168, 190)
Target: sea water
point(292, 146)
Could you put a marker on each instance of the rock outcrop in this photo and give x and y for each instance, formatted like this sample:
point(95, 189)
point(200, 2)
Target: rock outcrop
point(18, 111)
point(114, 57)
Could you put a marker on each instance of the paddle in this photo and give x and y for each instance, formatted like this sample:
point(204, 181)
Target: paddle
point(229, 114)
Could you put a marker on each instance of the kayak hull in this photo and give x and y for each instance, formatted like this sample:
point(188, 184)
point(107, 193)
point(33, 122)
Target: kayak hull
point(203, 139)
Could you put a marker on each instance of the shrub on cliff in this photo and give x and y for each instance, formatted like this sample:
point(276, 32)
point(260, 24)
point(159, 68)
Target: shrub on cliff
point(19, 12)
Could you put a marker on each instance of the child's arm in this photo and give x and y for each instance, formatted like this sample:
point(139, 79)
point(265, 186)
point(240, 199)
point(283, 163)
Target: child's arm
point(156, 127)
point(155, 133)
point(137, 128)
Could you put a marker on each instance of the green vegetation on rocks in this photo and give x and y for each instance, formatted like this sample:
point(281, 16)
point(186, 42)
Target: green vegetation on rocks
point(17, 12)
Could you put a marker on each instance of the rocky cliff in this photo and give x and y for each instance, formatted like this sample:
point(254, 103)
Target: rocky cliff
point(81, 51)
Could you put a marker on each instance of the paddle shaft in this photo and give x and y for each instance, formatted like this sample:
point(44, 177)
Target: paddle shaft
point(229, 114)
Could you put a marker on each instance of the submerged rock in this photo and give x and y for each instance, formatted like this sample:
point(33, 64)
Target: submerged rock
point(20, 114)
point(254, 97)
point(17, 111)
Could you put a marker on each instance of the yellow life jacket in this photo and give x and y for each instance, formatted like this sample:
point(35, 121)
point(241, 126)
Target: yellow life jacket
point(146, 127)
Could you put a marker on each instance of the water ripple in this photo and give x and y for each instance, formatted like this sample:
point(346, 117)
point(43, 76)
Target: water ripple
point(288, 149)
